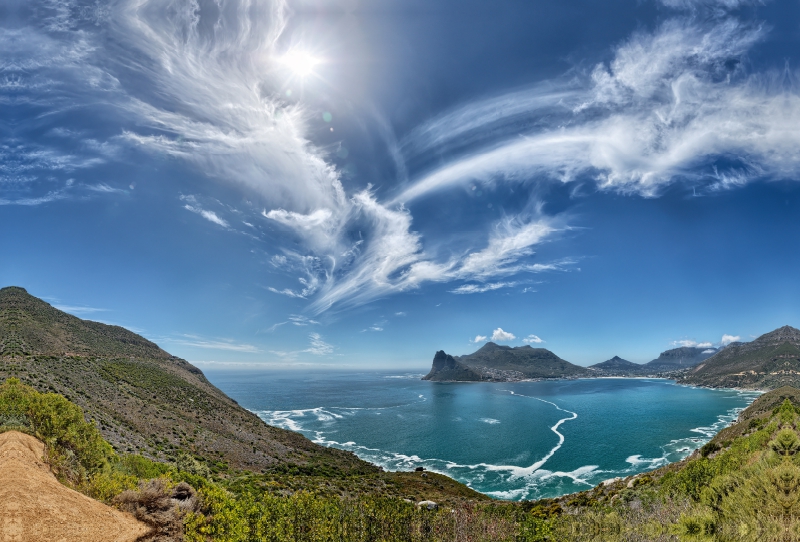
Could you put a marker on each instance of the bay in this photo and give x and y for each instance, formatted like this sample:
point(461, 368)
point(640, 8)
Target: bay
point(520, 440)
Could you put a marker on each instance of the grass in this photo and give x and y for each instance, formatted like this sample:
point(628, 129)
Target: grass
point(182, 501)
point(744, 485)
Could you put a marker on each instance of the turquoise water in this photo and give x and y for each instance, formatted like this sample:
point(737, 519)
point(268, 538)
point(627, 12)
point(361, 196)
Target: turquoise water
point(520, 440)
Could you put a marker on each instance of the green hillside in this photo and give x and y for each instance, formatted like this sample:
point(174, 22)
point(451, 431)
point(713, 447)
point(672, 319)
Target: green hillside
point(744, 486)
point(770, 361)
point(151, 404)
point(144, 400)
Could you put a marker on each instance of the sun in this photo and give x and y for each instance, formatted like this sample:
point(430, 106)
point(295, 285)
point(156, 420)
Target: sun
point(300, 63)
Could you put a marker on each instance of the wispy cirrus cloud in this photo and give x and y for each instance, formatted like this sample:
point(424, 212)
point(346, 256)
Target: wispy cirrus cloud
point(192, 205)
point(196, 341)
point(207, 87)
point(78, 309)
point(481, 288)
point(667, 108)
point(318, 346)
point(296, 320)
point(675, 104)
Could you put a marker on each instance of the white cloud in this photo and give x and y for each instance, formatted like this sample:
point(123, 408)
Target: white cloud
point(286, 291)
point(401, 313)
point(532, 339)
point(479, 339)
point(709, 351)
point(391, 259)
point(216, 99)
point(667, 108)
point(211, 216)
point(300, 320)
point(104, 188)
point(193, 206)
point(724, 4)
point(728, 339)
point(294, 319)
point(213, 344)
point(480, 288)
point(72, 309)
point(502, 336)
point(318, 346)
point(684, 343)
point(210, 91)
point(704, 345)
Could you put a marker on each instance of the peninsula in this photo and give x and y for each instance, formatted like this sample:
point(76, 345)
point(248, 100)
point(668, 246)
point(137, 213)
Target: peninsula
point(772, 360)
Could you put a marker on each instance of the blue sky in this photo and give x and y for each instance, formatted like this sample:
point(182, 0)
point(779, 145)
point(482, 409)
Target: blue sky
point(353, 183)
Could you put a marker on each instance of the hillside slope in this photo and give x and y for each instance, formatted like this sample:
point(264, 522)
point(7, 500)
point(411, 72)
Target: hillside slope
point(616, 366)
point(143, 399)
point(743, 486)
point(770, 361)
point(678, 359)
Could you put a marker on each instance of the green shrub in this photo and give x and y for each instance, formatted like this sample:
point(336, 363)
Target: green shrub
point(74, 447)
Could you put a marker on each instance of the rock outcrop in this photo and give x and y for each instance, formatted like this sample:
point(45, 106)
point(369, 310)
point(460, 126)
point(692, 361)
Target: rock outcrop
point(446, 368)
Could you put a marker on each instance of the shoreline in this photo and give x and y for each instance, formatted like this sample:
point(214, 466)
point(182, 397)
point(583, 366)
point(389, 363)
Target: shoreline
point(558, 379)
point(384, 458)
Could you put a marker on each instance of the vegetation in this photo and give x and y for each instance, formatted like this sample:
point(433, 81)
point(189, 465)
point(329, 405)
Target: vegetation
point(75, 450)
point(743, 485)
point(130, 425)
point(144, 400)
point(184, 501)
point(770, 361)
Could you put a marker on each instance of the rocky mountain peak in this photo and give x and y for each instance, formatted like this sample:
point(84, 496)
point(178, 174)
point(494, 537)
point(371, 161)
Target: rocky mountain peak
point(781, 335)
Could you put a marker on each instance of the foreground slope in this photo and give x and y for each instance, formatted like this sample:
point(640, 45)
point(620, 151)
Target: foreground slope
point(143, 399)
point(770, 361)
point(744, 485)
point(34, 506)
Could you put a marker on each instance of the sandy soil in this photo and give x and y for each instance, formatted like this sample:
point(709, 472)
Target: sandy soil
point(35, 507)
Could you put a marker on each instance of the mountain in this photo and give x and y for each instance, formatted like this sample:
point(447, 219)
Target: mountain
point(493, 362)
point(678, 359)
point(617, 366)
point(445, 367)
point(143, 399)
point(770, 361)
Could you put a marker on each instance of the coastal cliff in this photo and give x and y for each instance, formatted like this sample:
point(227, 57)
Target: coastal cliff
point(446, 368)
point(497, 363)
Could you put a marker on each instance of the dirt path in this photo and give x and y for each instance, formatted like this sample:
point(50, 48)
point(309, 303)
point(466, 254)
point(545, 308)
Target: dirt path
point(35, 507)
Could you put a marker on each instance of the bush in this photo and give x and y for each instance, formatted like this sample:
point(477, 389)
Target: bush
point(74, 447)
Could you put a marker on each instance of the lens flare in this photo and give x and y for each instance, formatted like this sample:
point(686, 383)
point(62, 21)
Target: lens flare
point(301, 63)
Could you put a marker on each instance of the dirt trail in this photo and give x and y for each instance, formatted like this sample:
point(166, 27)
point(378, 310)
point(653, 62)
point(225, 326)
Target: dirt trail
point(35, 507)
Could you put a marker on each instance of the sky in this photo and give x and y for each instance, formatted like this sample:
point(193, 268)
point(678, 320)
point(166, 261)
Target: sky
point(360, 183)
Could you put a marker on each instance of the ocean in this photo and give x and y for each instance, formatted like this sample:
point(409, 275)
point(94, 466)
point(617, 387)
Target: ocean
point(520, 440)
